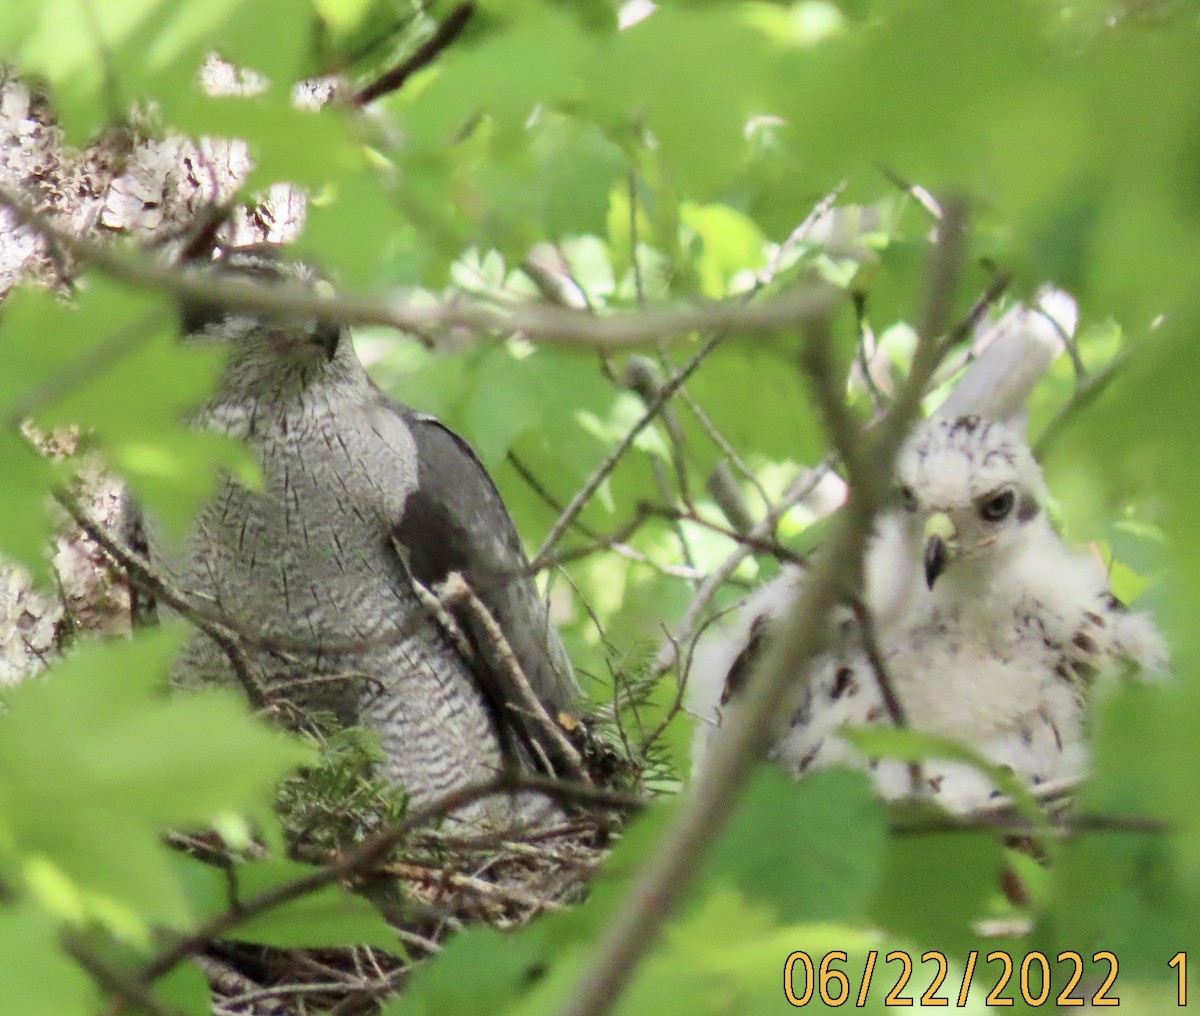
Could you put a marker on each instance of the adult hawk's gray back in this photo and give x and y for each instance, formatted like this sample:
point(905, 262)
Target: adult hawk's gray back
point(362, 498)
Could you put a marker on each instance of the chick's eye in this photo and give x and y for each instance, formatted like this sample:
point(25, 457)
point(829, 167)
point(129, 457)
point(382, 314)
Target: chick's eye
point(908, 499)
point(996, 507)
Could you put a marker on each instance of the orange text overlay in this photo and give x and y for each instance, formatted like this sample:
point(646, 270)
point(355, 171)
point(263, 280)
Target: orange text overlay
point(1034, 977)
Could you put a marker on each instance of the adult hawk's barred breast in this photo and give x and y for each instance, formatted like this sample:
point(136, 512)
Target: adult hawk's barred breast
point(992, 631)
point(363, 501)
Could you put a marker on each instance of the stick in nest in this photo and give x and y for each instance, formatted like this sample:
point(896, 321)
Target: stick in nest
point(496, 655)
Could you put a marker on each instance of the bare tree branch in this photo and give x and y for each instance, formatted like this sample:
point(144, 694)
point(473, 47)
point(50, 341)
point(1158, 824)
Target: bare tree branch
point(418, 313)
point(140, 572)
point(220, 627)
point(870, 644)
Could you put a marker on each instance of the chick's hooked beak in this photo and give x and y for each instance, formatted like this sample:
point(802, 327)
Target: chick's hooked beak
point(941, 542)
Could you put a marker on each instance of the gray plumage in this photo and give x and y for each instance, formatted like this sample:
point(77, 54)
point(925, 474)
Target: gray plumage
point(991, 631)
point(361, 496)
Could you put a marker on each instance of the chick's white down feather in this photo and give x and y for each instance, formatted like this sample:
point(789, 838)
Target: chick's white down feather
point(992, 631)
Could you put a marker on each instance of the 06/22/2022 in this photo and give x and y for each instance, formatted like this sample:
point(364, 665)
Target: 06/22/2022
point(804, 979)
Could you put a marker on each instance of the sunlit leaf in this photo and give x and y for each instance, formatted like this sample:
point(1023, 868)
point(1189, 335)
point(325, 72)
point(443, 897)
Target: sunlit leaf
point(36, 978)
point(94, 810)
point(330, 916)
point(811, 853)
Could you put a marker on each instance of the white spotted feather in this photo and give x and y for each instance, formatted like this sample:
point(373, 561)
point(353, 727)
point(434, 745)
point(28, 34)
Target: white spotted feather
point(997, 644)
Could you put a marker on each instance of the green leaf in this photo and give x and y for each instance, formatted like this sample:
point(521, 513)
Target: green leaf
point(239, 36)
point(557, 186)
point(659, 74)
point(329, 917)
point(1123, 891)
point(610, 885)
point(783, 425)
point(36, 979)
point(358, 232)
point(811, 851)
point(25, 522)
point(121, 52)
point(1143, 747)
point(915, 746)
point(731, 246)
point(706, 956)
point(40, 371)
point(508, 964)
point(576, 166)
point(504, 403)
point(480, 79)
point(170, 467)
point(496, 395)
point(936, 885)
point(186, 988)
point(938, 131)
point(300, 146)
point(342, 15)
point(116, 368)
point(95, 761)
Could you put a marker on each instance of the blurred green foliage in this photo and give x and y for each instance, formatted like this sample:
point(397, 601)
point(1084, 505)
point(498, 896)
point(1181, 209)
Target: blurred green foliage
point(666, 160)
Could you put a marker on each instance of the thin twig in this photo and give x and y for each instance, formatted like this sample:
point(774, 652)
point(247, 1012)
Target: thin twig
point(915, 190)
point(646, 379)
point(584, 494)
point(557, 289)
point(638, 283)
point(1085, 394)
point(140, 572)
point(281, 991)
point(798, 235)
point(1009, 825)
point(757, 544)
point(450, 28)
point(722, 442)
point(995, 289)
point(865, 333)
point(681, 683)
point(616, 543)
point(491, 891)
point(870, 644)
point(220, 626)
point(801, 488)
point(869, 638)
point(1068, 341)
